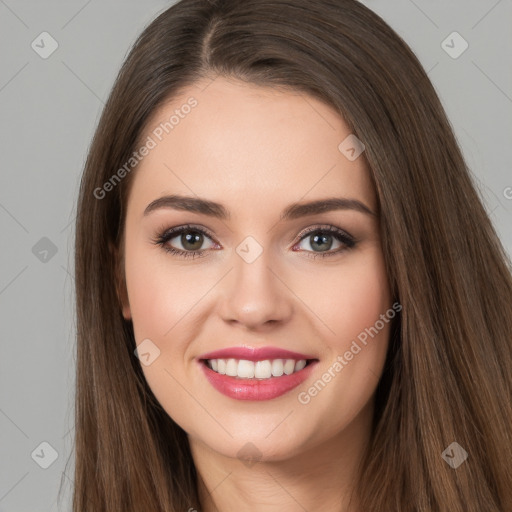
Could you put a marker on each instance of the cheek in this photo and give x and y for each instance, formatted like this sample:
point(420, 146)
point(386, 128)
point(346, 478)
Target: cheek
point(346, 299)
point(350, 297)
point(350, 304)
point(341, 303)
point(160, 295)
point(358, 296)
point(161, 298)
point(164, 300)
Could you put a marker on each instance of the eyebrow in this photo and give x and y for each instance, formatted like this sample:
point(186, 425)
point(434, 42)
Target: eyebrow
point(292, 211)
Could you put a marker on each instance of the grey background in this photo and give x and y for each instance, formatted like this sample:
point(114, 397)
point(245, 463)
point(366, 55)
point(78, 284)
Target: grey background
point(48, 111)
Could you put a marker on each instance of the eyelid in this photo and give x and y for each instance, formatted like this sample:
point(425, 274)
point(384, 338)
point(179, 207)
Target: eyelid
point(168, 234)
point(165, 232)
point(176, 230)
point(329, 228)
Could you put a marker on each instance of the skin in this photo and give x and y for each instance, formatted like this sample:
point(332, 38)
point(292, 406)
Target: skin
point(256, 150)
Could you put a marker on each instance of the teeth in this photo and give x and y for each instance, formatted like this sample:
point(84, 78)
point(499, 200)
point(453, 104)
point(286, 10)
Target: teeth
point(256, 369)
point(231, 367)
point(246, 369)
point(289, 366)
point(299, 365)
point(277, 367)
point(221, 365)
point(263, 369)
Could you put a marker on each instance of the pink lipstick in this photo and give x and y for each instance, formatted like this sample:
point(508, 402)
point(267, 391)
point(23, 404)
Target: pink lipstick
point(263, 373)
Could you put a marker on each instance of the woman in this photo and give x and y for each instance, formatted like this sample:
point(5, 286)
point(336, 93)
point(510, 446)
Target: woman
point(289, 295)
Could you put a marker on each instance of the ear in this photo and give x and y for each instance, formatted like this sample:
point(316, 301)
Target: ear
point(121, 291)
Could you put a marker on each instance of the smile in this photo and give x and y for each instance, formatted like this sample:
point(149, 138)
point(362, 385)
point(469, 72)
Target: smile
point(262, 373)
point(266, 369)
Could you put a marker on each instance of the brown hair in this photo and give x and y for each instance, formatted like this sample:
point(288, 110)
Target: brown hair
point(448, 372)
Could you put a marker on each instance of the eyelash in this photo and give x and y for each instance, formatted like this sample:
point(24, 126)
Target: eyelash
point(169, 234)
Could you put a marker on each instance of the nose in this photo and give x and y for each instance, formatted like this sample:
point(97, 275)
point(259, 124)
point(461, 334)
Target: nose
point(254, 295)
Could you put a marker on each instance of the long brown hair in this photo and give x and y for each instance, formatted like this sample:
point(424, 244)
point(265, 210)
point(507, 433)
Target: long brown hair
point(448, 372)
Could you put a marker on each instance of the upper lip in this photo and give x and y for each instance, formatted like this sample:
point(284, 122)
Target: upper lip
point(254, 354)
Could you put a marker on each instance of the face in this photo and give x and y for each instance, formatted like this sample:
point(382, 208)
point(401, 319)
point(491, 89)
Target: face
point(241, 265)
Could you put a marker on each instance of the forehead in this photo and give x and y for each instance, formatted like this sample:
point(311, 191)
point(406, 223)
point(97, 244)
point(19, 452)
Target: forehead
point(255, 146)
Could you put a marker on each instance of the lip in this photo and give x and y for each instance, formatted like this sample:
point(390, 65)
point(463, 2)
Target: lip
point(254, 354)
point(255, 389)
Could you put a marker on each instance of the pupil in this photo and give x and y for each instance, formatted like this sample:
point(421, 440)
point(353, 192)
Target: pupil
point(189, 240)
point(322, 239)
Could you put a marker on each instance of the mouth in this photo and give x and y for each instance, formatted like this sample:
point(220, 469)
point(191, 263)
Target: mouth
point(262, 373)
point(257, 370)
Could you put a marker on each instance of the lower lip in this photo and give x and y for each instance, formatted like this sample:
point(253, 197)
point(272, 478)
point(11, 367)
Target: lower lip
point(254, 389)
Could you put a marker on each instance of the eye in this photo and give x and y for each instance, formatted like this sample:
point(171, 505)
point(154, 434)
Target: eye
point(189, 239)
point(321, 239)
